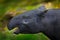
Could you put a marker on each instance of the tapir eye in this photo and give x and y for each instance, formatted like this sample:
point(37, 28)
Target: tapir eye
point(25, 21)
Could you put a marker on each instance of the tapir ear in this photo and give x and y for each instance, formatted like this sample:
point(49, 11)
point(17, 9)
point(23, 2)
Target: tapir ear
point(41, 14)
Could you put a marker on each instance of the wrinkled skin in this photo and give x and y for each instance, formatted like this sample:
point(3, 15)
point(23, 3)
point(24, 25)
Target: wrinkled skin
point(37, 21)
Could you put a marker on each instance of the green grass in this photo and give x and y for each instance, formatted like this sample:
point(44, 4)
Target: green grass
point(10, 36)
point(31, 37)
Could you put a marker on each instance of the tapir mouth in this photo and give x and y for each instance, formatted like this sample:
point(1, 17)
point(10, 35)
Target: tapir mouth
point(17, 31)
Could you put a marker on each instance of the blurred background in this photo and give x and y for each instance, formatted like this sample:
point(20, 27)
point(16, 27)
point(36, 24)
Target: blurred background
point(11, 8)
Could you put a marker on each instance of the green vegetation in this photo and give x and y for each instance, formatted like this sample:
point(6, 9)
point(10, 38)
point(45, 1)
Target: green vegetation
point(10, 36)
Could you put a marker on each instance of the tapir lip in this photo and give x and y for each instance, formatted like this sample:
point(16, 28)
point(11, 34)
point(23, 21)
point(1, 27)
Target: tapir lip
point(9, 28)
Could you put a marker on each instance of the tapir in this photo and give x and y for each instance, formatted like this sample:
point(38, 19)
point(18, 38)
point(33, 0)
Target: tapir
point(36, 21)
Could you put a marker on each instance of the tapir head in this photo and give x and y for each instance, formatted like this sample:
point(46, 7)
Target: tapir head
point(27, 22)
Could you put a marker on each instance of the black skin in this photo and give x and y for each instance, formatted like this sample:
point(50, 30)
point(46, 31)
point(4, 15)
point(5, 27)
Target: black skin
point(36, 21)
